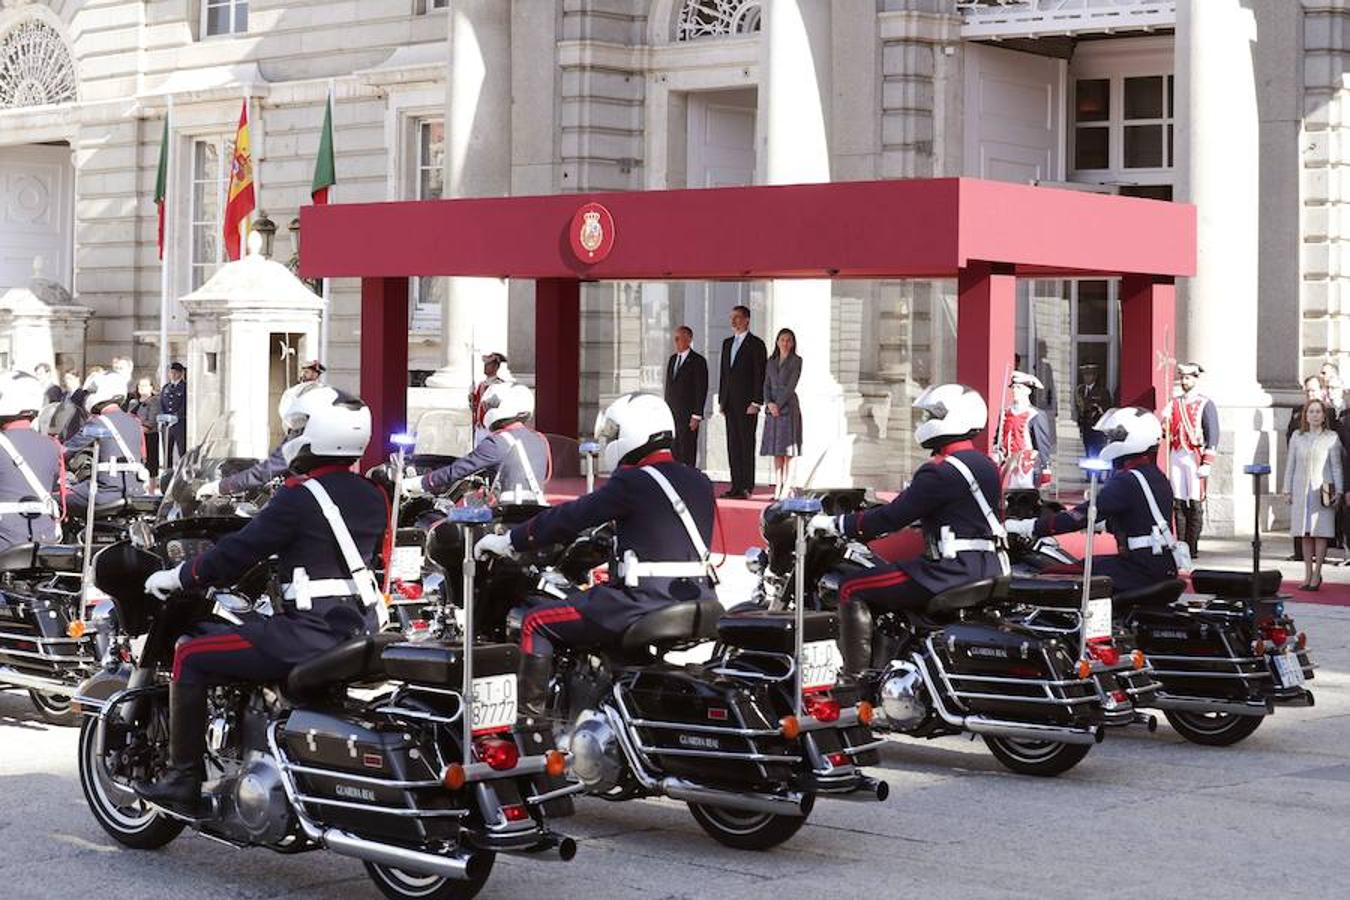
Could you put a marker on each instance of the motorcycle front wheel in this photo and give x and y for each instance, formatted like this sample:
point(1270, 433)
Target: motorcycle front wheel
point(397, 884)
point(54, 709)
point(1213, 729)
point(116, 807)
point(742, 830)
point(1044, 759)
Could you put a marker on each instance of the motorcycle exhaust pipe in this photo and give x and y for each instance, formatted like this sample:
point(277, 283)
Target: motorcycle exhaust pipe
point(1030, 731)
point(554, 848)
point(792, 804)
point(1254, 708)
point(40, 683)
point(458, 866)
point(869, 790)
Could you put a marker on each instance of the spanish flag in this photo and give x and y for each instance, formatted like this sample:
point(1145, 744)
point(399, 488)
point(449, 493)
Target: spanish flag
point(239, 203)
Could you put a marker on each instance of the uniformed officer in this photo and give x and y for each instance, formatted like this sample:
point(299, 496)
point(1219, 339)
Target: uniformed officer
point(121, 443)
point(663, 514)
point(513, 455)
point(1024, 443)
point(274, 465)
point(32, 475)
point(1192, 423)
point(325, 527)
point(1131, 504)
point(173, 402)
point(954, 497)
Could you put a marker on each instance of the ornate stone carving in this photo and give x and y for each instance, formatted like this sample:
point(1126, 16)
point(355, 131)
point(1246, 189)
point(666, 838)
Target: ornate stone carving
point(716, 18)
point(35, 66)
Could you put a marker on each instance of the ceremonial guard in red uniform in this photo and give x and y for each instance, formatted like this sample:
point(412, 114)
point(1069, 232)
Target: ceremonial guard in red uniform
point(1192, 423)
point(1025, 447)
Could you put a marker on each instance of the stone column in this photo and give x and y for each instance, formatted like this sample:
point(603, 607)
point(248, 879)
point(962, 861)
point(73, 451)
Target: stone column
point(797, 65)
point(1218, 151)
point(477, 164)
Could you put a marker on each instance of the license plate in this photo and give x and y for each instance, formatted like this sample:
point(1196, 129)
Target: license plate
point(1098, 621)
point(405, 564)
point(821, 663)
point(494, 703)
point(1288, 670)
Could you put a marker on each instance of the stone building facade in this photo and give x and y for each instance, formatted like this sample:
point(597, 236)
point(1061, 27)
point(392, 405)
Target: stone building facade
point(1233, 104)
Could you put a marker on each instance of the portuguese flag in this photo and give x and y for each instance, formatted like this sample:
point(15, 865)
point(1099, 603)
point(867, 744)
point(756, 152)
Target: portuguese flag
point(162, 182)
point(325, 174)
point(239, 205)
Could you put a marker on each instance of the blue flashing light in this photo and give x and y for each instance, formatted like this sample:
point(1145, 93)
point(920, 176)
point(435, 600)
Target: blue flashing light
point(1093, 464)
point(801, 506)
point(470, 515)
point(589, 448)
point(1257, 469)
point(403, 439)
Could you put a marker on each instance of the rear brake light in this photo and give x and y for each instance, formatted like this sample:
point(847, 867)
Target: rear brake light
point(500, 755)
point(420, 624)
point(822, 709)
point(1105, 652)
point(838, 759)
point(1120, 696)
point(516, 812)
point(1275, 634)
point(411, 590)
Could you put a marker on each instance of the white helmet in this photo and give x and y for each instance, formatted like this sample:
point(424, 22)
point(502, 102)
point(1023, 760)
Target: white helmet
point(20, 395)
point(950, 412)
point(329, 426)
point(633, 426)
point(290, 395)
point(506, 403)
point(105, 387)
point(1129, 430)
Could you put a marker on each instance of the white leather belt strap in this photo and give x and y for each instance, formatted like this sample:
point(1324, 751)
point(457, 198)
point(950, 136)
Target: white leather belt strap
point(1151, 541)
point(364, 578)
point(319, 588)
point(518, 447)
point(631, 569)
point(1160, 537)
point(128, 464)
point(948, 544)
point(120, 467)
point(46, 504)
point(990, 517)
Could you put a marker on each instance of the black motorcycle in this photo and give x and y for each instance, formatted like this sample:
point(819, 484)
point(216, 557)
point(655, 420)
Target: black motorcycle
point(369, 750)
point(958, 666)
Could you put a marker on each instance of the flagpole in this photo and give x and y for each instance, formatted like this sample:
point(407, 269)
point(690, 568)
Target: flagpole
point(325, 322)
point(164, 263)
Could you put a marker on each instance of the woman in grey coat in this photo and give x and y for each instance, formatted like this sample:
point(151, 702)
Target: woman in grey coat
point(782, 437)
point(1314, 462)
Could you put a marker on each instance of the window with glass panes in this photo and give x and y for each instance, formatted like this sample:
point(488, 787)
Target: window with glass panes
point(1123, 124)
point(426, 6)
point(207, 197)
point(429, 158)
point(224, 17)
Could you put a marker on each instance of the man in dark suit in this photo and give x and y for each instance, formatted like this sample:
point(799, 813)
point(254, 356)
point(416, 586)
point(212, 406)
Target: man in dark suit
point(740, 395)
point(686, 394)
point(173, 402)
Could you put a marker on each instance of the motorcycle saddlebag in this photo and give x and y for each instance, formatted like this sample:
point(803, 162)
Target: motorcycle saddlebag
point(692, 716)
point(1198, 655)
point(773, 631)
point(978, 658)
point(441, 663)
point(341, 748)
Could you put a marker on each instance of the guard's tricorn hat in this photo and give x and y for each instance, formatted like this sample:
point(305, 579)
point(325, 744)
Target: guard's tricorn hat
point(1190, 369)
point(1030, 381)
point(177, 367)
point(316, 366)
point(494, 357)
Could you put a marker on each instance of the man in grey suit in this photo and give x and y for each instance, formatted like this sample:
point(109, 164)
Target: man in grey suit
point(686, 391)
point(740, 395)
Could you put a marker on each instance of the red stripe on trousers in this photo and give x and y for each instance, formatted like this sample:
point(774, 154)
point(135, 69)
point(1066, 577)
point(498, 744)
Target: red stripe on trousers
point(225, 643)
point(543, 617)
point(885, 579)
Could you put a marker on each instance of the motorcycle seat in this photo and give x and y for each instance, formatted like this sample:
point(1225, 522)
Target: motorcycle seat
point(678, 623)
point(1163, 593)
point(1056, 591)
point(356, 659)
point(1235, 584)
point(967, 596)
point(759, 629)
point(139, 505)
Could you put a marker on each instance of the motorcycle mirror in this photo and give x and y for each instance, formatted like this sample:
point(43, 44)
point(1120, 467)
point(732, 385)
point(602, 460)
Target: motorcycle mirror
point(141, 535)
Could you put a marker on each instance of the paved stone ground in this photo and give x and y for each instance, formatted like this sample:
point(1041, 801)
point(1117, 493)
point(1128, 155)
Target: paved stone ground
point(1142, 816)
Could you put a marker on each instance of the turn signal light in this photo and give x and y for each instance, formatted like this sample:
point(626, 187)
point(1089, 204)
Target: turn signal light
point(75, 629)
point(500, 755)
point(454, 777)
point(1302, 642)
point(1258, 647)
point(790, 727)
point(822, 709)
point(1138, 659)
point(1084, 668)
point(555, 764)
point(865, 713)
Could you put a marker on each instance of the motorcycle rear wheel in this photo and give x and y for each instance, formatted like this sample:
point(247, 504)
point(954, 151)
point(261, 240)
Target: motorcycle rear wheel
point(1043, 759)
point(1212, 729)
point(116, 807)
point(743, 830)
point(54, 709)
point(397, 884)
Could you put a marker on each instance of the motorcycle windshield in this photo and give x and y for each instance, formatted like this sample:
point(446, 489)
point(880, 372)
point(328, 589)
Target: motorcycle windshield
point(199, 465)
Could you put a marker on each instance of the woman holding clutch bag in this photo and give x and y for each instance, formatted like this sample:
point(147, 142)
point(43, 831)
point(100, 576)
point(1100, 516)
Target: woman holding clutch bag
point(1313, 480)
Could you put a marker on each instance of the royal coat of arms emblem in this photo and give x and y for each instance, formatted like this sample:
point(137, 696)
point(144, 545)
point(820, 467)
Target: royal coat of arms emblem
point(592, 233)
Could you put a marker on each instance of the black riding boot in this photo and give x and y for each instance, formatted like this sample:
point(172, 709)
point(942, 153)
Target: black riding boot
point(180, 787)
point(534, 729)
point(855, 637)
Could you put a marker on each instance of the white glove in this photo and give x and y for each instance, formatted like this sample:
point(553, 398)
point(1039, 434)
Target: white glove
point(1023, 527)
point(494, 545)
point(209, 490)
point(412, 487)
point(164, 582)
point(1203, 471)
point(823, 525)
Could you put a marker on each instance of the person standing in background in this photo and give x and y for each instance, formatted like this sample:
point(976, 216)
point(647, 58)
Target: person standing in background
point(1090, 402)
point(173, 402)
point(740, 396)
point(686, 393)
point(783, 425)
point(145, 406)
point(1312, 476)
point(494, 372)
point(51, 391)
point(1025, 445)
point(122, 366)
point(1192, 431)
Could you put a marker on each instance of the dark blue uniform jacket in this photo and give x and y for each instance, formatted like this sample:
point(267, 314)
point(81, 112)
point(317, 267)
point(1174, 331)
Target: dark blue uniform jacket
point(257, 475)
point(495, 457)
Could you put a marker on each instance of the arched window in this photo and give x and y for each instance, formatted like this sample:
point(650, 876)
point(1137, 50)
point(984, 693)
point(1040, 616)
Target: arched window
point(701, 19)
point(35, 66)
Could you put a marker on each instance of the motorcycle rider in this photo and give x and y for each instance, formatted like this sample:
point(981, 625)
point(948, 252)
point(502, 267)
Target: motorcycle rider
point(325, 526)
point(953, 497)
point(663, 513)
point(515, 455)
point(275, 465)
point(1130, 503)
point(121, 443)
point(32, 473)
